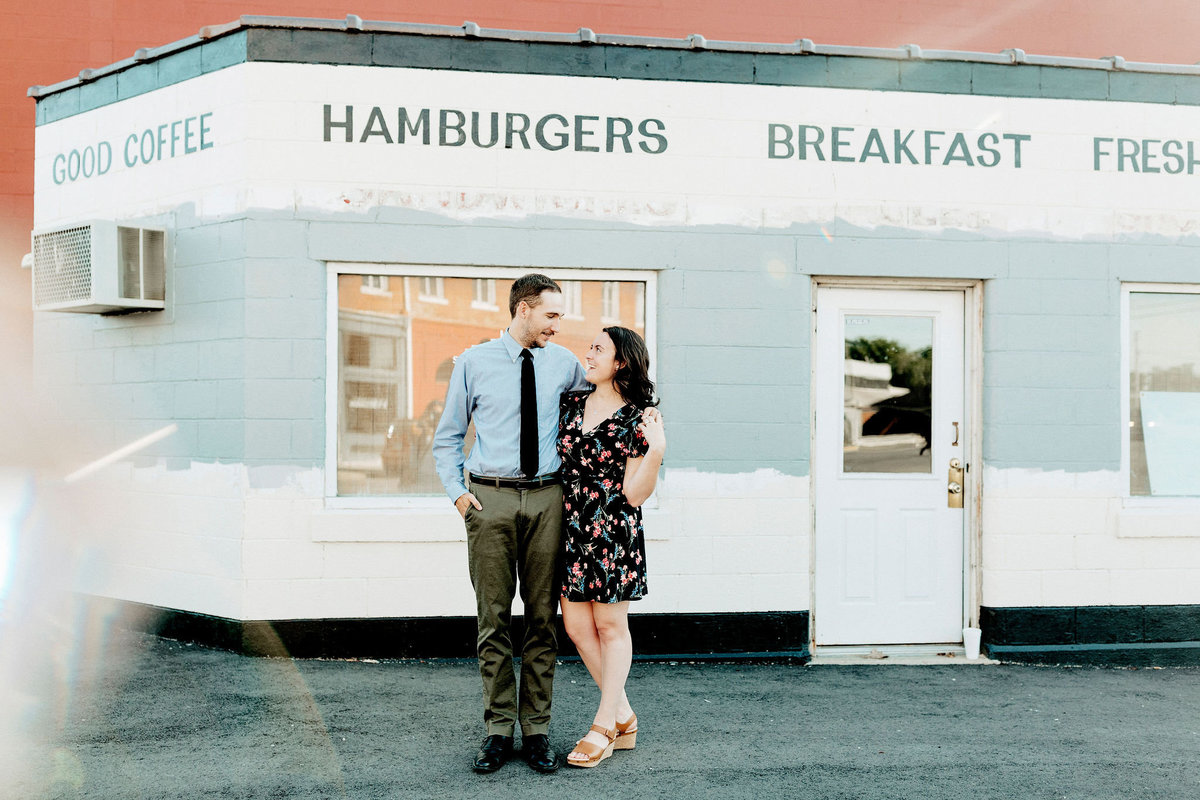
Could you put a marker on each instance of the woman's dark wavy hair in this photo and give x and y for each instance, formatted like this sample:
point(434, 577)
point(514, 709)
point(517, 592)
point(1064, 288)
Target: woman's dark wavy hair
point(632, 378)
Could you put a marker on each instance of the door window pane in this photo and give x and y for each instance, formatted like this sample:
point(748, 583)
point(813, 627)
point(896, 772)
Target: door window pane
point(886, 397)
point(1164, 394)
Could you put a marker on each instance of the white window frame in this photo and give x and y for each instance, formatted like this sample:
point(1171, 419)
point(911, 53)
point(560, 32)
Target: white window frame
point(379, 286)
point(610, 301)
point(1143, 516)
point(485, 300)
point(438, 295)
point(422, 505)
point(572, 298)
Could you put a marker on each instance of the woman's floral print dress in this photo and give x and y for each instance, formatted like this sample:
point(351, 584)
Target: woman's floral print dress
point(603, 545)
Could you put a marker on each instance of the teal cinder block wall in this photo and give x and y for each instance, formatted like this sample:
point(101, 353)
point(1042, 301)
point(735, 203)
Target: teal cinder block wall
point(238, 359)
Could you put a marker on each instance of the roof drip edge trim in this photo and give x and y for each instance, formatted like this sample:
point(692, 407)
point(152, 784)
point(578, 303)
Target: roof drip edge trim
point(586, 37)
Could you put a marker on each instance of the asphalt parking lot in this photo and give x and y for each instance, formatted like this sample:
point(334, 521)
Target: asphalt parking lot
point(125, 715)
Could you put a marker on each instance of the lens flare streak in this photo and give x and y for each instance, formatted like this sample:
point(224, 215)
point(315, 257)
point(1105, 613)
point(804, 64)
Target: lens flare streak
point(16, 498)
point(120, 453)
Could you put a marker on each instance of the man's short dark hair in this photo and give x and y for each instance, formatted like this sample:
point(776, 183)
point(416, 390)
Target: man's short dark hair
point(529, 288)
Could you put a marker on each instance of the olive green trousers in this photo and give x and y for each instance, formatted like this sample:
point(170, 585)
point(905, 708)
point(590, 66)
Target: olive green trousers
point(515, 538)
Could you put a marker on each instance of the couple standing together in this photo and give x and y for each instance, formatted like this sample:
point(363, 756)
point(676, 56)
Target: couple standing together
point(563, 459)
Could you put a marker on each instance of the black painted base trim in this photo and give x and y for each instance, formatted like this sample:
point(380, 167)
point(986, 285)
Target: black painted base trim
point(1156, 654)
point(776, 635)
point(1094, 635)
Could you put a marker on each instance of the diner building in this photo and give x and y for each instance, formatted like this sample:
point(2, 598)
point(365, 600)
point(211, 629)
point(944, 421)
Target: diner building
point(925, 326)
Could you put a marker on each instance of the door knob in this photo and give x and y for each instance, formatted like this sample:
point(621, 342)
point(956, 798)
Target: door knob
point(954, 482)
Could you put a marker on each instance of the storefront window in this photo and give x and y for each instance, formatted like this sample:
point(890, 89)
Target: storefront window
point(1164, 393)
point(396, 352)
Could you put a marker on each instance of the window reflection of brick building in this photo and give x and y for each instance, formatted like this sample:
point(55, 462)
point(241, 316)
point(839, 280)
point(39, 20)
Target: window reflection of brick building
point(398, 337)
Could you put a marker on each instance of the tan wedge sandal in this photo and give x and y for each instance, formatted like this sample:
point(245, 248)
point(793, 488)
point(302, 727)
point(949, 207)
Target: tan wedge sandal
point(593, 753)
point(626, 734)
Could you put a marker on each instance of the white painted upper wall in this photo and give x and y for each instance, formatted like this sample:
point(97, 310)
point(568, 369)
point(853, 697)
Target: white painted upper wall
point(264, 147)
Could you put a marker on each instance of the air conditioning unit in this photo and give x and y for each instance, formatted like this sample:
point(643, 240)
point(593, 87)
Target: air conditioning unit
point(99, 268)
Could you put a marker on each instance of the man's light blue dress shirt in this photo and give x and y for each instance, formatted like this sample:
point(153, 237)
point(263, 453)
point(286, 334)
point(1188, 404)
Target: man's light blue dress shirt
point(485, 387)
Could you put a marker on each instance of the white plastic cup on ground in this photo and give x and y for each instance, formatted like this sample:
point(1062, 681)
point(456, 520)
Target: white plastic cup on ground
point(971, 642)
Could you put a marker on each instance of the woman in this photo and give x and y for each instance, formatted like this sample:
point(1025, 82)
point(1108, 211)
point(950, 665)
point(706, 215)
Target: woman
point(611, 452)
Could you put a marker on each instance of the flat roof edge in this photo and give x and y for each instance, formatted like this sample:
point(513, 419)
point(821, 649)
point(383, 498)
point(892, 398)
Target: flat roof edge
point(585, 36)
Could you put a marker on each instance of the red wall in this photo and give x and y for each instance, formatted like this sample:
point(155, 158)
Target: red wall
point(50, 41)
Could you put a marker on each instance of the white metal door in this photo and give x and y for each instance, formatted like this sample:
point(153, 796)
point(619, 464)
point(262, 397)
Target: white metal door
point(889, 422)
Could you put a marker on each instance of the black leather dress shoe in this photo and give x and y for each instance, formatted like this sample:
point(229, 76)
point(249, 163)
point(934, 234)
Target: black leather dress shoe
point(496, 749)
point(538, 753)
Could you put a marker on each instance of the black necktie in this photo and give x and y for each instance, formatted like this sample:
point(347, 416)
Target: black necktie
point(529, 417)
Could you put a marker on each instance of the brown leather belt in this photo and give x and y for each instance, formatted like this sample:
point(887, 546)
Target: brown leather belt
point(515, 483)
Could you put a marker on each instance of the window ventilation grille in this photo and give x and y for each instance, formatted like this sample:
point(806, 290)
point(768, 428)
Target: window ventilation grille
point(99, 268)
point(62, 266)
point(142, 255)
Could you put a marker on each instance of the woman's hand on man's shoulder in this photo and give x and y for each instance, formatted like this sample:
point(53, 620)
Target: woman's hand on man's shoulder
point(651, 428)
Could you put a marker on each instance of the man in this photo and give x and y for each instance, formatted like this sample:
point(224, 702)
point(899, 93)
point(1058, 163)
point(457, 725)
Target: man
point(510, 388)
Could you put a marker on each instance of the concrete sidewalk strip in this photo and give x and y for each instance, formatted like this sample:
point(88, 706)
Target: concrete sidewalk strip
point(152, 718)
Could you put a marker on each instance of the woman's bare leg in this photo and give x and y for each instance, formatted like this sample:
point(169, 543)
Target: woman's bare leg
point(581, 627)
point(611, 624)
point(579, 620)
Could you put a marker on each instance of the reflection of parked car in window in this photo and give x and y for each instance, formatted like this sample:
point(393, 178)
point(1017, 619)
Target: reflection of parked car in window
point(891, 418)
point(867, 385)
point(884, 424)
